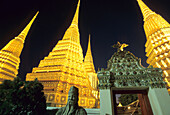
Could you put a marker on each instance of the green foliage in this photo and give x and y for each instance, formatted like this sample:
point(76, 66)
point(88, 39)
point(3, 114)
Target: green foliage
point(126, 99)
point(20, 98)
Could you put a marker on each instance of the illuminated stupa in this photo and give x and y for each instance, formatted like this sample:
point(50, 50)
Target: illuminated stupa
point(63, 68)
point(89, 67)
point(10, 55)
point(157, 31)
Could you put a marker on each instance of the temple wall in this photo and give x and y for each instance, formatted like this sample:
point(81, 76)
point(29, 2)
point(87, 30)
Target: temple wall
point(159, 100)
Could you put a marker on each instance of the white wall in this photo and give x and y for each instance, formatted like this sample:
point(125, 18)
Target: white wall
point(159, 100)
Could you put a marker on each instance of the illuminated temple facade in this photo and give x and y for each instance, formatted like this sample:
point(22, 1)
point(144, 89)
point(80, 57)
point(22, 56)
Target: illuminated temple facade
point(157, 31)
point(10, 55)
point(64, 67)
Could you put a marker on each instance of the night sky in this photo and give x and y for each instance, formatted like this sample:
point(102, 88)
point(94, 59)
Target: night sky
point(108, 21)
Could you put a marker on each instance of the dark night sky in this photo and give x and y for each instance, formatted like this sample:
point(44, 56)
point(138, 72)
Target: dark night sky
point(108, 21)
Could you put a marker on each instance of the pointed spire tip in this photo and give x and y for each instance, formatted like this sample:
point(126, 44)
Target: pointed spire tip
point(146, 11)
point(24, 33)
point(36, 14)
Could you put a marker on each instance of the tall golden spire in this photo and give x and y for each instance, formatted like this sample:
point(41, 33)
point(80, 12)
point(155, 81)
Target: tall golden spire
point(12, 45)
point(9, 55)
point(24, 33)
point(146, 11)
point(63, 68)
point(89, 67)
point(157, 31)
point(76, 16)
point(72, 33)
point(89, 59)
point(152, 21)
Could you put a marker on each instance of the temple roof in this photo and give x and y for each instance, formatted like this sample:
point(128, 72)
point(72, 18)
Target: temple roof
point(124, 69)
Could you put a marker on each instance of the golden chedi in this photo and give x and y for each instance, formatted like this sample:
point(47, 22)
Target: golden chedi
point(63, 68)
point(89, 67)
point(157, 31)
point(10, 55)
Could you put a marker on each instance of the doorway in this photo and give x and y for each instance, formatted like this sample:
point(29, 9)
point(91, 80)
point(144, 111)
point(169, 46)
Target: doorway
point(142, 93)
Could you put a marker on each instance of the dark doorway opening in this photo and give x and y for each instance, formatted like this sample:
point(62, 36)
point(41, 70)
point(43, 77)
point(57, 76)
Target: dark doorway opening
point(142, 93)
point(128, 104)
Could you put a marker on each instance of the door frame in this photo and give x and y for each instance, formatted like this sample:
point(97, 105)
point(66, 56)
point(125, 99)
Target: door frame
point(142, 96)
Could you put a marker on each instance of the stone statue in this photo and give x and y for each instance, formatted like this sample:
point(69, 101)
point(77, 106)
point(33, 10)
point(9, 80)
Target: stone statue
point(72, 107)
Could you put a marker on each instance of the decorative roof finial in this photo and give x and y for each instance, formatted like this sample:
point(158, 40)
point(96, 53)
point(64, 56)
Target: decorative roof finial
point(120, 46)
